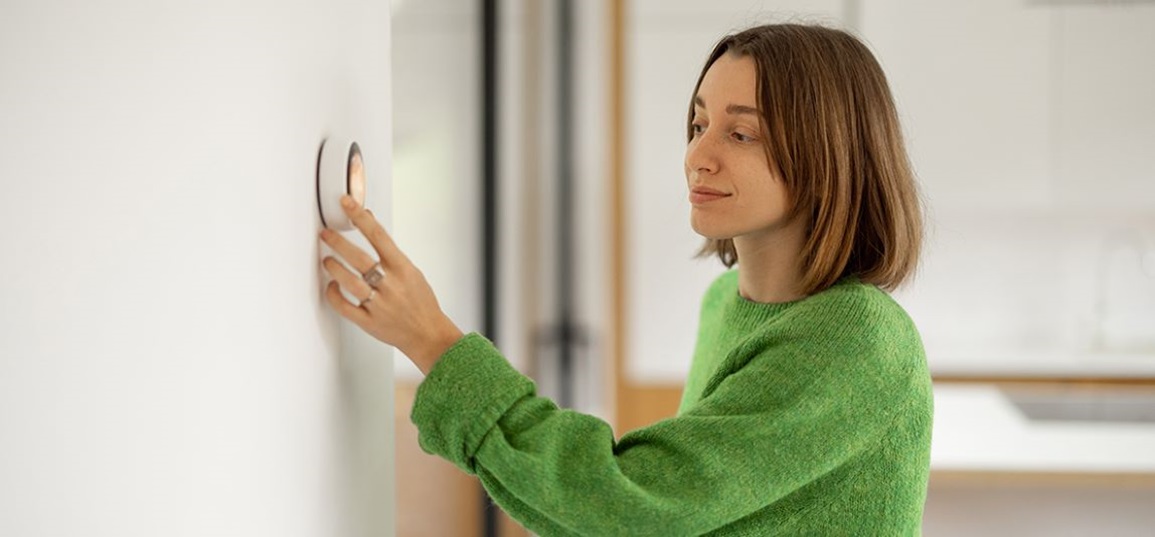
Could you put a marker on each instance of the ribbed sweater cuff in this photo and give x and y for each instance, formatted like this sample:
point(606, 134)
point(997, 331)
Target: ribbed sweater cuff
point(462, 398)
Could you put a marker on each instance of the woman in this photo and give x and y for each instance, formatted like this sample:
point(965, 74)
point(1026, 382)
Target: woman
point(808, 406)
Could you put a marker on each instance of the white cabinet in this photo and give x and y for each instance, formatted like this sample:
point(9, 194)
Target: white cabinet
point(971, 82)
point(1030, 125)
point(1104, 113)
point(1023, 105)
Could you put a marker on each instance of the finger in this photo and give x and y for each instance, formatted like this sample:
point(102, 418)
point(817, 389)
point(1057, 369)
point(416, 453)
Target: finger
point(391, 256)
point(353, 254)
point(347, 309)
point(353, 283)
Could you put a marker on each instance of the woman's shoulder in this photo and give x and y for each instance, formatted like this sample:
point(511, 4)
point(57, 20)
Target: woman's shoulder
point(853, 309)
point(851, 297)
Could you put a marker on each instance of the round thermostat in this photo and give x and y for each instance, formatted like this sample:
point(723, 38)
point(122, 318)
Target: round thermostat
point(340, 172)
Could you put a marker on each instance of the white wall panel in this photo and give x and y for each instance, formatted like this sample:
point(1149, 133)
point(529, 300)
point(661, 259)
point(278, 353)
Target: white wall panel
point(167, 365)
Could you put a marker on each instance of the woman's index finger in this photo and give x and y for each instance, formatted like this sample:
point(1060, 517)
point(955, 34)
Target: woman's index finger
point(380, 239)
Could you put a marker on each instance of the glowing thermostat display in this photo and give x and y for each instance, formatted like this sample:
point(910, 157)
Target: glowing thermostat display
point(340, 172)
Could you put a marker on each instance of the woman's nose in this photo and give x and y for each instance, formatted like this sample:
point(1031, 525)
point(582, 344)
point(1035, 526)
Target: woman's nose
point(702, 155)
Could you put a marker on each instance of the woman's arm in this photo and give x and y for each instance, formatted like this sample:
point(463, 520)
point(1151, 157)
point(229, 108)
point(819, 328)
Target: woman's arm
point(755, 438)
point(768, 425)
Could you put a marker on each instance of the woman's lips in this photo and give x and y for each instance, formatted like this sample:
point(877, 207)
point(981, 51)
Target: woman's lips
point(699, 196)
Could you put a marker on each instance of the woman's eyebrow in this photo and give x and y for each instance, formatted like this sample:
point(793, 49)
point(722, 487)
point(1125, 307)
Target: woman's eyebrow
point(730, 109)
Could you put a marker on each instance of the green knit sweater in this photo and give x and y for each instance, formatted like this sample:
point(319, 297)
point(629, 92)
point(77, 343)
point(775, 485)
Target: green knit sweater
point(810, 417)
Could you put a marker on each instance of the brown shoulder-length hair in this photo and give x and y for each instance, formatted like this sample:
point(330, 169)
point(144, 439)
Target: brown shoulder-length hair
point(831, 130)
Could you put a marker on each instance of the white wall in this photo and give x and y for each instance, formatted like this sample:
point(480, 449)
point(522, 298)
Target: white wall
point(167, 365)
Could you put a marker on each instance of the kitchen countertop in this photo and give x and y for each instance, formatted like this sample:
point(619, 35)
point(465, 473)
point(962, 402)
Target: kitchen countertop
point(978, 429)
point(1040, 364)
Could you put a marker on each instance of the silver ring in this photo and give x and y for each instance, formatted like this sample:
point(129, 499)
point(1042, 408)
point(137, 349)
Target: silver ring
point(374, 275)
point(372, 295)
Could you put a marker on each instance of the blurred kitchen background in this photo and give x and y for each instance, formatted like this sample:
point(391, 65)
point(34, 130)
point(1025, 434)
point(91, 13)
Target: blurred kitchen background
point(538, 183)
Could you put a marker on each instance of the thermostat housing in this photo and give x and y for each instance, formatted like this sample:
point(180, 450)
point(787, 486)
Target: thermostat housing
point(340, 172)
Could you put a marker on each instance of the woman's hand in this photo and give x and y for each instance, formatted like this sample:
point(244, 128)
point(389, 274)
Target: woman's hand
point(399, 309)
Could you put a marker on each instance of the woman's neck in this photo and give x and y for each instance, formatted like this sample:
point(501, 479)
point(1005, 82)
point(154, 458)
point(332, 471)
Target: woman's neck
point(769, 265)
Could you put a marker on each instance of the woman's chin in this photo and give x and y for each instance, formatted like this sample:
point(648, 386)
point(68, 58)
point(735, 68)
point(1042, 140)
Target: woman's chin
point(707, 231)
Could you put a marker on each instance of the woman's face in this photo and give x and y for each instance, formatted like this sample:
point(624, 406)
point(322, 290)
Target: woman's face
point(733, 188)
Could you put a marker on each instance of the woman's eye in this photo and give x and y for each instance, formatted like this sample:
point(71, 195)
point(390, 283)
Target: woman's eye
point(742, 137)
point(697, 128)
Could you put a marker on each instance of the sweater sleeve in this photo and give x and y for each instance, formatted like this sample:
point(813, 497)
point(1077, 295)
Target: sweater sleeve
point(756, 436)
